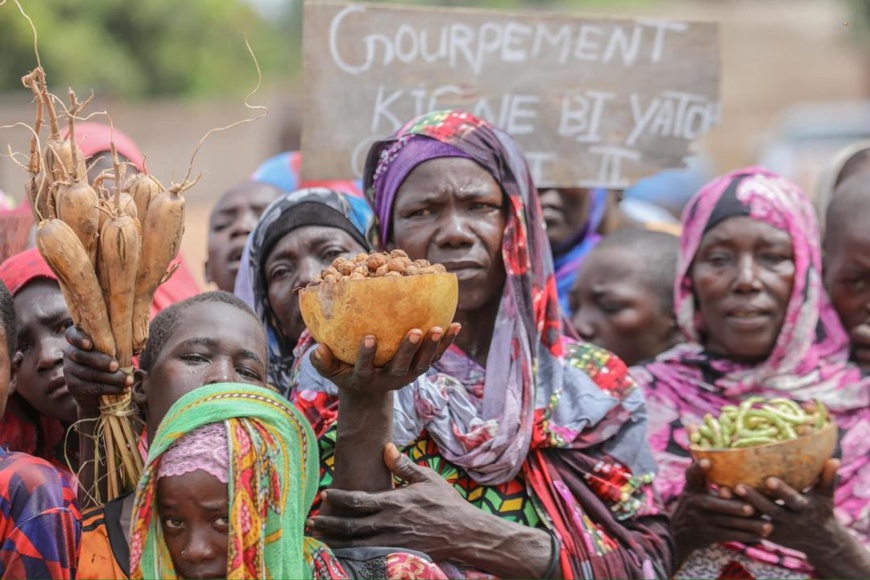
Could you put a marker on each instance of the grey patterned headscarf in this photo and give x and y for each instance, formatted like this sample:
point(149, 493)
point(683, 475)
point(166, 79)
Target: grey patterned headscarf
point(349, 213)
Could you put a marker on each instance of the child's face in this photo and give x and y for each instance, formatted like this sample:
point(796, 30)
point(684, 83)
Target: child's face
point(232, 220)
point(194, 515)
point(42, 319)
point(213, 343)
point(616, 309)
point(847, 278)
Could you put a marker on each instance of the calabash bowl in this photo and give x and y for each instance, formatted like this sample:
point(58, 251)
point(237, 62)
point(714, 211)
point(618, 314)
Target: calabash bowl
point(340, 314)
point(797, 462)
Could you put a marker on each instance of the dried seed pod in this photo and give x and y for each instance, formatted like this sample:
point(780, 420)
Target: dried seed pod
point(382, 270)
point(421, 263)
point(330, 279)
point(396, 265)
point(120, 248)
point(360, 258)
point(77, 205)
point(398, 254)
point(357, 276)
point(142, 188)
point(361, 269)
point(393, 275)
point(331, 271)
point(63, 159)
point(67, 258)
point(128, 207)
point(439, 269)
point(412, 270)
point(41, 192)
point(162, 229)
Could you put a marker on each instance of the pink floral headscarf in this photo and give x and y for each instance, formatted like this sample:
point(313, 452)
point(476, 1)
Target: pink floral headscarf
point(808, 361)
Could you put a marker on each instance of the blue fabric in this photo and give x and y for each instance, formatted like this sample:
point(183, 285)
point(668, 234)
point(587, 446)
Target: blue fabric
point(282, 171)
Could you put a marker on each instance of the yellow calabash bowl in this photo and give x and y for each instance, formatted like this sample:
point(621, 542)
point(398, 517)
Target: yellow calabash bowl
point(341, 314)
point(797, 462)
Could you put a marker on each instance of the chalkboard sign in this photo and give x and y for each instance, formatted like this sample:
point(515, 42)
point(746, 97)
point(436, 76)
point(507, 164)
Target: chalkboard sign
point(592, 101)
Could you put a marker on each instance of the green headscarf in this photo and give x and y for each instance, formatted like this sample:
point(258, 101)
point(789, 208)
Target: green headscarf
point(268, 439)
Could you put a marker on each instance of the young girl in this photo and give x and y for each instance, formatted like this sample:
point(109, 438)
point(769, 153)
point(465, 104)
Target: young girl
point(230, 477)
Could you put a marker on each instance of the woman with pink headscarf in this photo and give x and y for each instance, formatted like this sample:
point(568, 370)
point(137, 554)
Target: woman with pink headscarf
point(749, 297)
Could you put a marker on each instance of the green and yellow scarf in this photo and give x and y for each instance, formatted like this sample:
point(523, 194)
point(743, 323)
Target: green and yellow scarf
point(272, 483)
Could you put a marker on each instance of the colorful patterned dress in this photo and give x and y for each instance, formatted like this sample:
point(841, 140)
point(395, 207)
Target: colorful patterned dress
point(809, 361)
point(40, 526)
point(551, 433)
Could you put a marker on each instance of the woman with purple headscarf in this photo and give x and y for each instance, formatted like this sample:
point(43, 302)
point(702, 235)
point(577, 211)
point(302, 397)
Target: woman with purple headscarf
point(749, 297)
point(524, 452)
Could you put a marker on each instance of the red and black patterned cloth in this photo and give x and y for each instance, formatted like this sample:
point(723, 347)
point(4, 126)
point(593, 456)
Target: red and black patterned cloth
point(40, 526)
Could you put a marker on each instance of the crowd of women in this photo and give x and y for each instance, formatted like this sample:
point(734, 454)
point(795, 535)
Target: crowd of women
point(541, 435)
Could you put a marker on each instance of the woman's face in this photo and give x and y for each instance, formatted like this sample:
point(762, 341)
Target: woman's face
point(194, 516)
point(566, 212)
point(451, 211)
point(743, 275)
point(294, 262)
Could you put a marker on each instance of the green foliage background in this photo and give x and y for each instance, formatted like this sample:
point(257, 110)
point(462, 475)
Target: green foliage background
point(141, 48)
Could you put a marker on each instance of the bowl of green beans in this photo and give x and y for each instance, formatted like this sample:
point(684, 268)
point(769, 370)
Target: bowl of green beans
point(763, 438)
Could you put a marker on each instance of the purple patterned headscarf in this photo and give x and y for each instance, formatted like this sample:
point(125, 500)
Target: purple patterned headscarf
point(808, 361)
point(394, 169)
point(564, 417)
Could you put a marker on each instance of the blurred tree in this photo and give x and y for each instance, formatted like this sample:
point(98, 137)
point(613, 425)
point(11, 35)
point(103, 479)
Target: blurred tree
point(860, 21)
point(141, 49)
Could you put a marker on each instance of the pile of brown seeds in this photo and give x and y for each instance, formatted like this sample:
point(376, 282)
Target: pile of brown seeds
point(376, 265)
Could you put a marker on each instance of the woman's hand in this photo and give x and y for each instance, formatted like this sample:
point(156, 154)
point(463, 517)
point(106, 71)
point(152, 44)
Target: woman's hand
point(415, 355)
point(429, 516)
point(799, 519)
point(701, 519)
point(90, 373)
point(806, 522)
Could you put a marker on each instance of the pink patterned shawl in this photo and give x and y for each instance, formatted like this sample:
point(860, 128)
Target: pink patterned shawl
point(808, 361)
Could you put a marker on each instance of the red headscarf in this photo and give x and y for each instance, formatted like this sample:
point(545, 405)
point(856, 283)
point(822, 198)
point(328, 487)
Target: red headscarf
point(20, 269)
point(15, 226)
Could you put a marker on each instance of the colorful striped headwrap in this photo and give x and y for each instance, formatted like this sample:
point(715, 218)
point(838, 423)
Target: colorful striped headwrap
point(273, 471)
